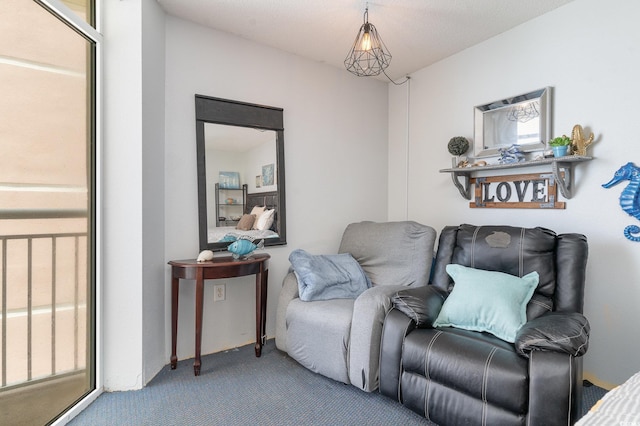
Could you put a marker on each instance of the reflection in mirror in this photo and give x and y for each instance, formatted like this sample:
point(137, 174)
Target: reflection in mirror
point(240, 172)
point(522, 120)
point(248, 155)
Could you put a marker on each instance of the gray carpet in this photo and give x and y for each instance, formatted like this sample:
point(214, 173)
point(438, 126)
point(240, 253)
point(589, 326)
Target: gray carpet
point(236, 388)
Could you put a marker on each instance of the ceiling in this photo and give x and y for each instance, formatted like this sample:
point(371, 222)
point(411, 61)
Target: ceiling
point(235, 138)
point(418, 33)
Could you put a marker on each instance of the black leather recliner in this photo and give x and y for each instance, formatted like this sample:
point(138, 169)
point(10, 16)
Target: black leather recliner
point(454, 376)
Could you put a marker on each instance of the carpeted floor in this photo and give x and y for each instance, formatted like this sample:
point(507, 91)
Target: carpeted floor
point(236, 388)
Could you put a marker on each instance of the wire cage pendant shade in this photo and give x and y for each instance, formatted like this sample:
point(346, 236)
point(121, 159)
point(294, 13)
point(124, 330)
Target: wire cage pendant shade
point(368, 56)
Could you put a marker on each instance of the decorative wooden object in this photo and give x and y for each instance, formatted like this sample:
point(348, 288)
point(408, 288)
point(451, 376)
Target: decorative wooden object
point(528, 191)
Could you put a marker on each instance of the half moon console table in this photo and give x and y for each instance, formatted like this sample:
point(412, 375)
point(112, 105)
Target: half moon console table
point(218, 267)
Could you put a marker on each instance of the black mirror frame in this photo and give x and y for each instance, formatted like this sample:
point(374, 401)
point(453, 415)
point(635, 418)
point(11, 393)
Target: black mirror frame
point(242, 114)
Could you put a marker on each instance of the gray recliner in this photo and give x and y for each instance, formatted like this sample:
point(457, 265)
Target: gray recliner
point(340, 338)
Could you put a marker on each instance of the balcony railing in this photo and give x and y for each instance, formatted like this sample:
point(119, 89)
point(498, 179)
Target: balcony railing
point(43, 299)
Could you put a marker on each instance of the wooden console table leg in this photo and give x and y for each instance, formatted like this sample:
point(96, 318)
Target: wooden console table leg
point(261, 309)
point(258, 346)
point(174, 321)
point(199, 303)
point(265, 280)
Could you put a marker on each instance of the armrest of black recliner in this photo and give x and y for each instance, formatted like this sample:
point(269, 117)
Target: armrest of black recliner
point(566, 332)
point(412, 307)
point(395, 328)
point(421, 304)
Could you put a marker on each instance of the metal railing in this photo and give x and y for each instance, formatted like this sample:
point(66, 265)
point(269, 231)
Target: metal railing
point(43, 298)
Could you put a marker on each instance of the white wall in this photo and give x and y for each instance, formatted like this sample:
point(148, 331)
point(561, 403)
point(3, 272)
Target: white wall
point(153, 166)
point(133, 206)
point(335, 154)
point(122, 197)
point(257, 158)
point(588, 52)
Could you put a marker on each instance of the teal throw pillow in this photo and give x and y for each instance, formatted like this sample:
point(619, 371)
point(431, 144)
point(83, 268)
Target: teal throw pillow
point(489, 301)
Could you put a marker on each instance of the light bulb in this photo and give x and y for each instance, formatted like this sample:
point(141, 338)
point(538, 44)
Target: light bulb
point(366, 42)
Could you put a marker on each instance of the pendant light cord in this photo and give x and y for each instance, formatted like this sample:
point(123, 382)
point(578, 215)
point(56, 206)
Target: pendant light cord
point(408, 142)
point(407, 78)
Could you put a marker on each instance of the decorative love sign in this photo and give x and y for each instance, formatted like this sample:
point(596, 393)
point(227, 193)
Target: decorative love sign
point(530, 191)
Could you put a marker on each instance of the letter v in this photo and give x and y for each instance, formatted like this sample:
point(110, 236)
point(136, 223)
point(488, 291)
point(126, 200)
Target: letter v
point(519, 190)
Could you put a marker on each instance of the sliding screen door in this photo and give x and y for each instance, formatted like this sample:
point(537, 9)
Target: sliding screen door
point(47, 238)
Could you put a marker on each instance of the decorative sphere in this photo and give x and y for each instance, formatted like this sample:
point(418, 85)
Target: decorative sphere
point(458, 145)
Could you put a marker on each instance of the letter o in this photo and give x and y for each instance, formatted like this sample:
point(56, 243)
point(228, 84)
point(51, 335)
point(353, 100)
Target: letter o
point(499, 190)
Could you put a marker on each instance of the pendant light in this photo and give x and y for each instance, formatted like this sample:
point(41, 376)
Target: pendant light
point(368, 55)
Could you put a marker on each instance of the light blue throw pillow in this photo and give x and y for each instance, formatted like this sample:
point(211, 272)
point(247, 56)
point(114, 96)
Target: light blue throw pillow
point(324, 277)
point(489, 301)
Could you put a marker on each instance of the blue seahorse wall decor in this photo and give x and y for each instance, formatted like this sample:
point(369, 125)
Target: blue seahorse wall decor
point(630, 196)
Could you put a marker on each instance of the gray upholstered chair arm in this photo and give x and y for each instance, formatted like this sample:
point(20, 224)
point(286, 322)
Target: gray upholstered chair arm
point(421, 304)
point(288, 292)
point(369, 311)
point(566, 332)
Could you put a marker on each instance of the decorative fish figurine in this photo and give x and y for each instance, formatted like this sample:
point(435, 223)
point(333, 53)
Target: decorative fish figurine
point(243, 246)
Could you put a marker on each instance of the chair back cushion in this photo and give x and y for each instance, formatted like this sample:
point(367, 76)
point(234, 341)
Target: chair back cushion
point(517, 251)
point(391, 253)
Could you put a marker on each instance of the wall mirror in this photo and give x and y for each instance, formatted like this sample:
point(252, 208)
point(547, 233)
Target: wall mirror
point(240, 165)
point(523, 120)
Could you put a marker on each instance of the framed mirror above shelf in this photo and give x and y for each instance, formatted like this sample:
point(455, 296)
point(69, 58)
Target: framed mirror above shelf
point(524, 120)
point(562, 169)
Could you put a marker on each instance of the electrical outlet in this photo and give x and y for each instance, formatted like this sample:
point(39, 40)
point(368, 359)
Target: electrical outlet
point(218, 292)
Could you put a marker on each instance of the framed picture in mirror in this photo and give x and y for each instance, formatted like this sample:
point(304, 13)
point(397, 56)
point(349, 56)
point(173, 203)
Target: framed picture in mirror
point(229, 180)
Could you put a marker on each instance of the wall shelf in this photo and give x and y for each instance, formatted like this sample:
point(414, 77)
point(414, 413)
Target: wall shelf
point(561, 167)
